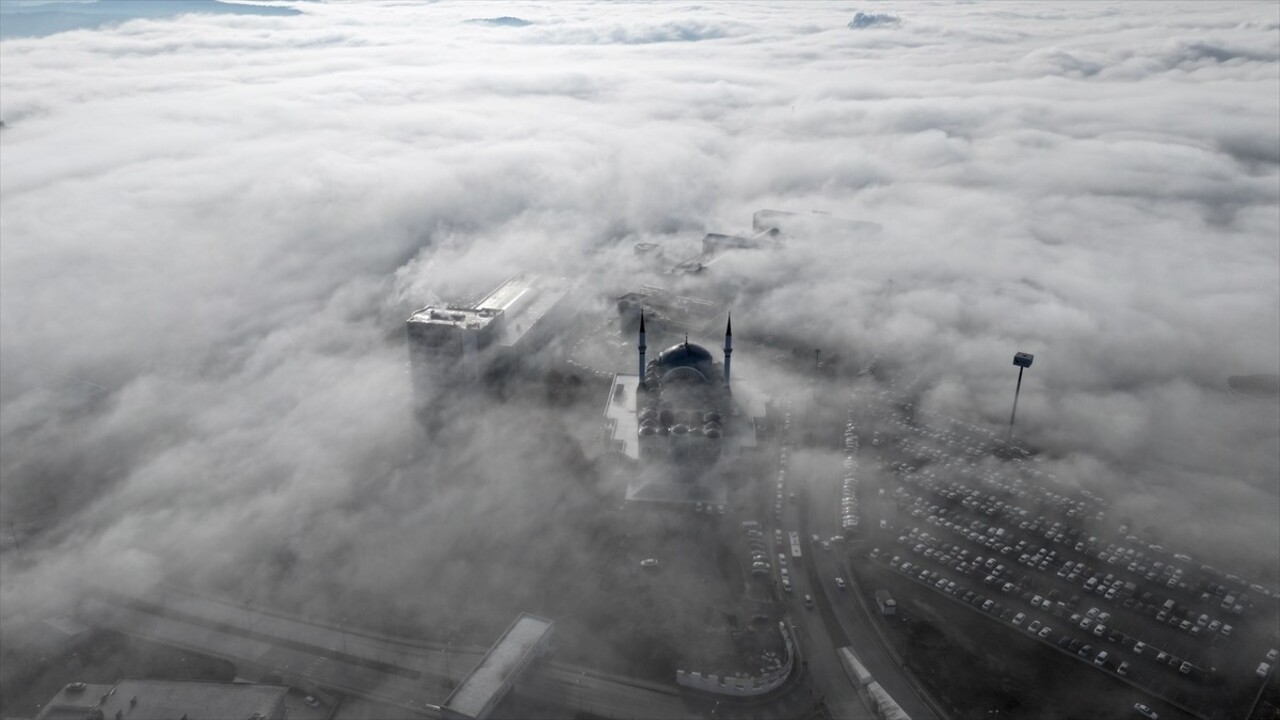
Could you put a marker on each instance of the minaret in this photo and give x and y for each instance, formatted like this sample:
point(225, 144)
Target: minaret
point(728, 348)
point(642, 348)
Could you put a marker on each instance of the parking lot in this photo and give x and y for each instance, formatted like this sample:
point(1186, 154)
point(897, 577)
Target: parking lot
point(966, 517)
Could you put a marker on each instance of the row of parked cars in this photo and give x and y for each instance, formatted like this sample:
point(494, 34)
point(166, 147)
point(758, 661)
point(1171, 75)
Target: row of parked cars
point(1109, 585)
point(1037, 558)
point(783, 454)
point(756, 546)
point(1037, 628)
point(849, 486)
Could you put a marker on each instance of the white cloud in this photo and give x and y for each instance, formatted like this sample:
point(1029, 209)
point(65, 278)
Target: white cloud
point(222, 219)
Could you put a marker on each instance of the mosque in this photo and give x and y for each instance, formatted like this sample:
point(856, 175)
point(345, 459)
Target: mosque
point(678, 420)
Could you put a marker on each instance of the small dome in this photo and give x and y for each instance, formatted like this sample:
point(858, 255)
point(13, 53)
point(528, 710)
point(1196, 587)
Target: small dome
point(680, 429)
point(713, 433)
point(648, 430)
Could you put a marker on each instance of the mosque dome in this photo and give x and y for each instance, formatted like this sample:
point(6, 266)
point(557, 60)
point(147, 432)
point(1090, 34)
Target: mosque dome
point(685, 355)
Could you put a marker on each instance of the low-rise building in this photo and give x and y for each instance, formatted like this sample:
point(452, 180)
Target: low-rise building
point(167, 700)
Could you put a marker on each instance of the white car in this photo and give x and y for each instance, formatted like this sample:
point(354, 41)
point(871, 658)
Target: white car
point(1017, 619)
point(1145, 711)
point(311, 701)
point(1263, 669)
point(808, 601)
point(648, 563)
point(840, 583)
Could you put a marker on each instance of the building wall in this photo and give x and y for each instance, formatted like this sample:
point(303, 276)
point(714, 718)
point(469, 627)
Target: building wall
point(743, 686)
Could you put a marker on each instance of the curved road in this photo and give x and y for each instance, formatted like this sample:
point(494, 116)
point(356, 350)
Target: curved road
point(849, 611)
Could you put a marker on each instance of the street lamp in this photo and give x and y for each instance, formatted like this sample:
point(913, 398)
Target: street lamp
point(1023, 361)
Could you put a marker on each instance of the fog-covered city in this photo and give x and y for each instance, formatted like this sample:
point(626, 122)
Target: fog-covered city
point(361, 359)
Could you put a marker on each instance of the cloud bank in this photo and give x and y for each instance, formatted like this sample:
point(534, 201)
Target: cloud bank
point(214, 226)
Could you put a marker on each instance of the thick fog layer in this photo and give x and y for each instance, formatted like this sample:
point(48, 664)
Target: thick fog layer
point(214, 226)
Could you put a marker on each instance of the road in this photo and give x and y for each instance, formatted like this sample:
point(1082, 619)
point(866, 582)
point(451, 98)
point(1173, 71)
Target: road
point(817, 631)
point(847, 620)
point(402, 672)
point(416, 675)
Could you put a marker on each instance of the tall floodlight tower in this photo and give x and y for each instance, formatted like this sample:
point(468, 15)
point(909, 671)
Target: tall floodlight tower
point(728, 348)
point(1023, 361)
point(642, 348)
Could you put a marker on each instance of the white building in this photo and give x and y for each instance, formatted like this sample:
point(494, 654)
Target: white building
point(451, 343)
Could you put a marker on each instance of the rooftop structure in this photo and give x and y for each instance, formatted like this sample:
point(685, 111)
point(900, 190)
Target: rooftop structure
point(498, 670)
point(813, 225)
point(168, 699)
point(73, 702)
point(460, 341)
point(667, 311)
point(714, 246)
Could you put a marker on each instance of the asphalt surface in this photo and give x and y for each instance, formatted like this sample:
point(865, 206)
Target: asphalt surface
point(847, 619)
point(837, 619)
point(411, 675)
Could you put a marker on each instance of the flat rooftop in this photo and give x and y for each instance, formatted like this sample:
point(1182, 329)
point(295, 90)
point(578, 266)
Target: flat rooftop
point(621, 414)
point(516, 305)
point(491, 678)
point(663, 306)
point(72, 702)
point(466, 318)
point(167, 699)
point(529, 307)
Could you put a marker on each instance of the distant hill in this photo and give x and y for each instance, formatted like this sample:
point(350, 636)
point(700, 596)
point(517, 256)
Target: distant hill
point(32, 21)
point(504, 21)
point(1260, 386)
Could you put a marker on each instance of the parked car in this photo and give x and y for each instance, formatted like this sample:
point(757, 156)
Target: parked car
point(1145, 711)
